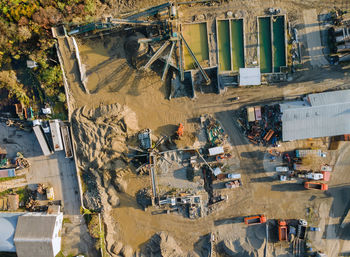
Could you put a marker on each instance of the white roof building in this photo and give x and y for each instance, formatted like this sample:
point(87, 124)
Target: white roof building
point(249, 76)
point(8, 223)
point(31, 234)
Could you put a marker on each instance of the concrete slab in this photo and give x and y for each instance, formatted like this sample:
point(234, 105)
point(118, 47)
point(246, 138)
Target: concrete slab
point(55, 169)
point(313, 38)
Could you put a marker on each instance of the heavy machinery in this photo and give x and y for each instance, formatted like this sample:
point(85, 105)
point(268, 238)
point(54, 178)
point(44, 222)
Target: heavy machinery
point(316, 185)
point(259, 219)
point(148, 28)
point(282, 230)
point(180, 131)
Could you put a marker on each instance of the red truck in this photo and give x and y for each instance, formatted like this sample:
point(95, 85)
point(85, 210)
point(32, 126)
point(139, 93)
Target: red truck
point(315, 185)
point(282, 230)
point(259, 219)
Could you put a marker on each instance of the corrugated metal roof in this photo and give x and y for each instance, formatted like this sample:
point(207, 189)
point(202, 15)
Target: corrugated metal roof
point(8, 222)
point(34, 235)
point(315, 121)
point(326, 98)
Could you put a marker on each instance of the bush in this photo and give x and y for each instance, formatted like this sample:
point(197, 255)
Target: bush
point(90, 6)
point(62, 97)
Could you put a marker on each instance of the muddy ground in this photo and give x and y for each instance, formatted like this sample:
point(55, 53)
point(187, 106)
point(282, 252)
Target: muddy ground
point(112, 80)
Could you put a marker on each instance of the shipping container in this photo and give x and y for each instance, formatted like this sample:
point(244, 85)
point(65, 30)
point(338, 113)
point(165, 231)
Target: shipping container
point(305, 153)
point(257, 110)
point(251, 114)
point(56, 135)
point(43, 141)
point(7, 173)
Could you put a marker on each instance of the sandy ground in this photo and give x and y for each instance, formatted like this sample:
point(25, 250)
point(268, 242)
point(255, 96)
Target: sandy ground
point(112, 80)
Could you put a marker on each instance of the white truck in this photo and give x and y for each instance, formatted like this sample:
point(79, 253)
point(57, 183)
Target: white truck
point(282, 169)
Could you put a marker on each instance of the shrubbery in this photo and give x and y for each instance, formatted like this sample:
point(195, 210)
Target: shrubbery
point(25, 34)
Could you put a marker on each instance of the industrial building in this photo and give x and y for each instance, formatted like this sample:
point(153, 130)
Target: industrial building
point(317, 115)
point(31, 234)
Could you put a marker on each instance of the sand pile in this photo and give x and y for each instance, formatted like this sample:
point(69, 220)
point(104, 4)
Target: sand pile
point(163, 245)
point(100, 135)
point(245, 242)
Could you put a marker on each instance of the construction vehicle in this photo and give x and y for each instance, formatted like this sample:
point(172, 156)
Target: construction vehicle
point(180, 130)
point(282, 230)
point(144, 137)
point(259, 219)
point(316, 185)
point(324, 176)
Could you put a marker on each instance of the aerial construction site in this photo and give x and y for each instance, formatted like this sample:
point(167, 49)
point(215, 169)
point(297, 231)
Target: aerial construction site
point(213, 128)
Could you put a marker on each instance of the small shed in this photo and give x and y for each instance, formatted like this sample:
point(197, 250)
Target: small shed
point(249, 77)
point(216, 150)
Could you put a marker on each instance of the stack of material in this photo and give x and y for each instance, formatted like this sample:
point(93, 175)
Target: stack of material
point(215, 132)
point(262, 125)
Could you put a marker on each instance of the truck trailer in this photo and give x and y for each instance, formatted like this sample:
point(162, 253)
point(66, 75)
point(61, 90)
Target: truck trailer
point(259, 219)
point(43, 141)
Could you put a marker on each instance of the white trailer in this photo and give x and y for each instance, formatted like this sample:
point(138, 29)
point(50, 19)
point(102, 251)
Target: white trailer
point(56, 135)
point(43, 142)
point(282, 169)
point(314, 176)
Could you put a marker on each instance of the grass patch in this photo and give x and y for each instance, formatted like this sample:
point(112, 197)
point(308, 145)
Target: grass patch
point(60, 254)
point(92, 221)
point(22, 192)
point(66, 221)
point(10, 178)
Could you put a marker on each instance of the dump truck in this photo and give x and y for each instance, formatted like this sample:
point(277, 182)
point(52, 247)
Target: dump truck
point(316, 185)
point(282, 230)
point(259, 219)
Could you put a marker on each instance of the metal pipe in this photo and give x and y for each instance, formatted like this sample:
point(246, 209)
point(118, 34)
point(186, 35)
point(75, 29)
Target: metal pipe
point(149, 12)
point(181, 65)
point(197, 2)
point(205, 76)
point(156, 55)
point(204, 161)
point(168, 60)
point(127, 21)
